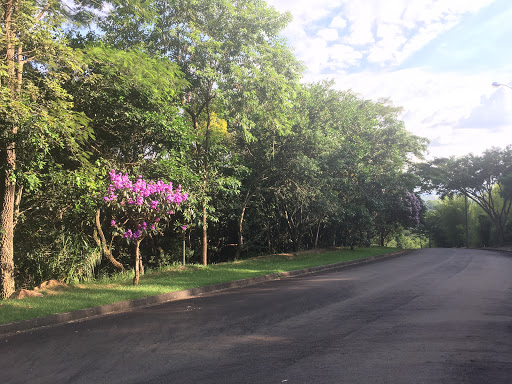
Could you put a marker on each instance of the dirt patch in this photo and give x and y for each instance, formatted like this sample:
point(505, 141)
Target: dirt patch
point(23, 293)
point(51, 287)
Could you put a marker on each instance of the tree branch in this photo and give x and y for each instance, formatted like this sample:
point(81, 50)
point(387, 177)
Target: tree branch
point(102, 243)
point(44, 10)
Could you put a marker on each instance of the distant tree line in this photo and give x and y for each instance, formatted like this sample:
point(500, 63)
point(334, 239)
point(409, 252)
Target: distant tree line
point(476, 204)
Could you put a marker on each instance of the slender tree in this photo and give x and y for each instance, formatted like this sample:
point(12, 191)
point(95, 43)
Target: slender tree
point(35, 111)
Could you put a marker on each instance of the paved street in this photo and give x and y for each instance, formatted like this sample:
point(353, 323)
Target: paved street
point(432, 316)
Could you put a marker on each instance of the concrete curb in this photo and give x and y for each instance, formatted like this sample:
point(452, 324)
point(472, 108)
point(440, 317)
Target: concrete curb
point(502, 250)
point(123, 306)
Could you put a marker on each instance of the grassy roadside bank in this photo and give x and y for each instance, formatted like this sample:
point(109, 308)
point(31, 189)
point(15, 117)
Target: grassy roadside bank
point(176, 278)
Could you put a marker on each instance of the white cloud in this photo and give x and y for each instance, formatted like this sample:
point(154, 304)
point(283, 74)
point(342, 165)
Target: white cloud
point(342, 56)
point(391, 40)
point(328, 34)
point(338, 22)
point(458, 113)
point(390, 31)
point(360, 34)
point(493, 112)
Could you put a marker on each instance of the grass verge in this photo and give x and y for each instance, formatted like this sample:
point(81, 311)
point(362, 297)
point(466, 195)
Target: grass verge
point(177, 278)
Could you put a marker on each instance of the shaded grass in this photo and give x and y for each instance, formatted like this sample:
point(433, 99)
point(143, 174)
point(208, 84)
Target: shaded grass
point(176, 278)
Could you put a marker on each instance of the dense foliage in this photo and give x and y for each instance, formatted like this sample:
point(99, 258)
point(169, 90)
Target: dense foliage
point(445, 224)
point(203, 93)
point(485, 180)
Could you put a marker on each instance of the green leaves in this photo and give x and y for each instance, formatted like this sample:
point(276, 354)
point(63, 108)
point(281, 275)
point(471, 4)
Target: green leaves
point(483, 179)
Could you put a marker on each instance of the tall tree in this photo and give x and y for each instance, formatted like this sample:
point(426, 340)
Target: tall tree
point(35, 111)
point(260, 109)
point(209, 40)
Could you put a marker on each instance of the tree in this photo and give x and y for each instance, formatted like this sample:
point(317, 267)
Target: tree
point(368, 152)
point(129, 99)
point(35, 111)
point(484, 179)
point(260, 108)
point(141, 208)
point(213, 43)
point(445, 222)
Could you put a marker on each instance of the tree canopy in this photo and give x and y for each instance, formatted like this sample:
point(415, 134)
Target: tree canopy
point(205, 94)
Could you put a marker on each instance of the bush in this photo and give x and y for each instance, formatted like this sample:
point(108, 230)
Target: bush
point(70, 258)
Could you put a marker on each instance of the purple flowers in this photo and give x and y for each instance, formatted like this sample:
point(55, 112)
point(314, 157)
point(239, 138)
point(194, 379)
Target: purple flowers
point(413, 205)
point(141, 205)
point(132, 235)
point(141, 190)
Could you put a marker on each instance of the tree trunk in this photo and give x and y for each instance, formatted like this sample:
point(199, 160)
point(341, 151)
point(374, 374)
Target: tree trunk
point(317, 233)
point(498, 218)
point(7, 232)
point(205, 189)
point(297, 239)
point(195, 123)
point(17, 203)
point(137, 262)
point(102, 243)
point(240, 242)
point(204, 252)
point(8, 158)
point(184, 246)
point(269, 239)
point(293, 230)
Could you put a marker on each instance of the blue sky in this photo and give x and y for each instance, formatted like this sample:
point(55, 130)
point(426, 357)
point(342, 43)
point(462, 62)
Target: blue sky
point(435, 58)
point(472, 43)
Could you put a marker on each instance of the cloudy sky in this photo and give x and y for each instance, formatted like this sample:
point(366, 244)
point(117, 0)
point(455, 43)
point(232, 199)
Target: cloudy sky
point(435, 58)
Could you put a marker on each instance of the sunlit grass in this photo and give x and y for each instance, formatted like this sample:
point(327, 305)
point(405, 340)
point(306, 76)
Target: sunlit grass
point(172, 279)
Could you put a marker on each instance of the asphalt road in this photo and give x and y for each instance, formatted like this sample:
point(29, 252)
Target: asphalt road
point(433, 316)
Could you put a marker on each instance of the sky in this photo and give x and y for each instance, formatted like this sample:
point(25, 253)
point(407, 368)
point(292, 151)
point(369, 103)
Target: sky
point(435, 58)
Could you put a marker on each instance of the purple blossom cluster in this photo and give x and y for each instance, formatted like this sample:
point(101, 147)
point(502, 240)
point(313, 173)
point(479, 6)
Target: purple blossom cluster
point(413, 205)
point(143, 190)
point(142, 204)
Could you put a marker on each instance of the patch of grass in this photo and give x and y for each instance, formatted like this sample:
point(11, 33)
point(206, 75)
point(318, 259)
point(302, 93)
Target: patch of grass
point(172, 279)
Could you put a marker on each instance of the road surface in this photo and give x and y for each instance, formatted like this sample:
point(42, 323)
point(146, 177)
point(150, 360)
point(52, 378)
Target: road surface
point(432, 316)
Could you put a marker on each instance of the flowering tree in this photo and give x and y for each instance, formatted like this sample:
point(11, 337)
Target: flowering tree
point(413, 207)
point(140, 209)
point(395, 209)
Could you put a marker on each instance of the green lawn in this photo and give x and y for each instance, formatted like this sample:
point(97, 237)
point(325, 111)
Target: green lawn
point(173, 279)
